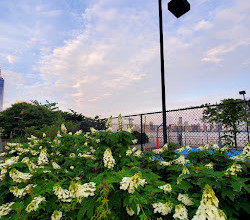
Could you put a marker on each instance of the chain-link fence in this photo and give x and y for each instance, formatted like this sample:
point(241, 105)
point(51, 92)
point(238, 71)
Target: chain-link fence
point(188, 127)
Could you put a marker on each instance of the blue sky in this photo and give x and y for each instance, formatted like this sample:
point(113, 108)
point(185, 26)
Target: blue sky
point(101, 57)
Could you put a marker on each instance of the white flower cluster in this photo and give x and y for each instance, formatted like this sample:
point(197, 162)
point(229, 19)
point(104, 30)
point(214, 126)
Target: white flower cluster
point(43, 157)
point(189, 149)
point(181, 160)
point(108, 159)
point(78, 133)
point(32, 167)
point(179, 150)
point(184, 171)
point(161, 150)
point(3, 154)
point(72, 155)
point(234, 169)
point(206, 147)
point(180, 212)
point(130, 128)
point(131, 183)
point(21, 192)
point(130, 151)
point(33, 206)
point(138, 153)
point(130, 210)
point(166, 188)
point(120, 123)
point(76, 190)
point(109, 124)
point(184, 198)
point(225, 148)
point(55, 165)
point(63, 194)
point(9, 162)
point(3, 172)
point(5, 209)
point(216, 146)
point(18, 176)
point(208, 209)
point(200, 148)
point(63, 129)
point(57, 215)
point(210, 165)
point(163, 208)
point(87, 155)
point(245, 155)
point(165, 164)
point(134, 141)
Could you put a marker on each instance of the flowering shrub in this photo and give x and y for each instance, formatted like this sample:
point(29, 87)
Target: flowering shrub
point(99, 175)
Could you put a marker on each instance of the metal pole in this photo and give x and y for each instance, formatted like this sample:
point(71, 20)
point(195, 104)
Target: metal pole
point(246, 117)
point(164, 117)
point(141, 135)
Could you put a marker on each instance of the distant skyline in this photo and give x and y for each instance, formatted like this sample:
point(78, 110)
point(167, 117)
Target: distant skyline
point(102, 57)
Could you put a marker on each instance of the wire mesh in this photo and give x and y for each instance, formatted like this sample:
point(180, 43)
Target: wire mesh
point(184, 127)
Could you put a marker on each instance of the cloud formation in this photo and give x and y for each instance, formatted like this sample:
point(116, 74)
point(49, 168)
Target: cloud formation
point(109, 63)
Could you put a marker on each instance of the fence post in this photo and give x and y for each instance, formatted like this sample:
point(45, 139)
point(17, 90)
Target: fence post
point(141, 135)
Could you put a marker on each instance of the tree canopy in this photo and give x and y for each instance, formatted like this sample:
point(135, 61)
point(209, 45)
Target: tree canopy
point(36, 118)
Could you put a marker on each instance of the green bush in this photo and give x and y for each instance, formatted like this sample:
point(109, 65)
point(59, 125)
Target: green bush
point(137, 135)
point(98, 175)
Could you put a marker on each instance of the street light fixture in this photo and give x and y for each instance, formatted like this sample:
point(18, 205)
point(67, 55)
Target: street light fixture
point(243, 93)
point(178, 8)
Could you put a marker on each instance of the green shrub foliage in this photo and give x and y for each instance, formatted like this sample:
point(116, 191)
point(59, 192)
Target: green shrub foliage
point(100, 175)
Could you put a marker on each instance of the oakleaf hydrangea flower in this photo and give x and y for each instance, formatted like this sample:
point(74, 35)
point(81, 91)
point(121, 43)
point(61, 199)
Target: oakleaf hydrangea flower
point(57, 215)
point(234, 169)
point(163, 208)
point(181, 160)
point(18, 176)
point(3, 172)
point(131, 183)
point(120, 123)
point(180, 212)
point(134, 141)
point(225, 148)
point(166, 188)
point(206, 147)
point(43, 157)
point(9, 162)
point(216, 146)
point(208, 209)
point(63, 194)
point(78, 191)
point(55, 165)
point(21, 192)
point(108, 159)
point(138, 153)
point(165, 164)
point(109, 124)
point(33, 206)
point(189, 149)
point(5, 209)
point(72, 155)
point(161, 150)
point(130, 210)
point(179, 150)
point(185, 171)
point(210, 165)
point(63, 129)
point(184, 198)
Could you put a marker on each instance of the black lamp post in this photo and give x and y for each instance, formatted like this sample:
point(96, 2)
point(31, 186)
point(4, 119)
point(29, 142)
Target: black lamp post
point(178, 8)
point(243, 93)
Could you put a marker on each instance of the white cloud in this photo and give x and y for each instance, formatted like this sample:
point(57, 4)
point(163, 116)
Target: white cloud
point(203, 25)
point(12, 59)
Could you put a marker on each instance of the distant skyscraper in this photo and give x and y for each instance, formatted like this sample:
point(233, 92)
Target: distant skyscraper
point(1, 90)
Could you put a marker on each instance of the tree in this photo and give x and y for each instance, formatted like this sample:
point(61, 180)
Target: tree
point(230, 113)
point(24, 115)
